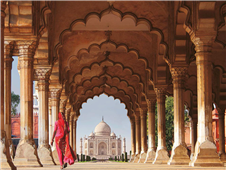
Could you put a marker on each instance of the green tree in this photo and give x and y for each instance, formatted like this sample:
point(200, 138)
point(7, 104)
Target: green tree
point(15, 100)
point(169, 116)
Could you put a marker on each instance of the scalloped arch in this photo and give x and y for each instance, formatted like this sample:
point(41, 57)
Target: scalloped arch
point(122, 17)
point(99, 65)
point(133, 95)
point(91, 94)
point(103, 86)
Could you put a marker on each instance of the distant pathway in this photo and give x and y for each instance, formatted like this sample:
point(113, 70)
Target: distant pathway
point(119, 166)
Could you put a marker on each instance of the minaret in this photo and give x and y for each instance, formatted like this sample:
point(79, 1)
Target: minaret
point(124, 145)
point(81, 146)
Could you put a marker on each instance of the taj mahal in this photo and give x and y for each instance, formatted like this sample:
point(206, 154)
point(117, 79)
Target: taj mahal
point(102, 144)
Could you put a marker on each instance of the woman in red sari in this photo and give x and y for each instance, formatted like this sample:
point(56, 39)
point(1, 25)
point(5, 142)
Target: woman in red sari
point(61, 135)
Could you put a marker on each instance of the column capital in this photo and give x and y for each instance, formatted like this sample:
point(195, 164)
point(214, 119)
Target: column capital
point(203, 40)
point(143, 112)
point(160, 92)
point(43, 73)
point(8, 63)
point(25, 63)
point(179, 72)
point(151, 101)
point(55, 95)
point(26, 48)
point(8, 49)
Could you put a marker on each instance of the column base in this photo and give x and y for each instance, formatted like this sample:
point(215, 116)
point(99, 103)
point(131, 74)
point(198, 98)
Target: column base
point(179, 156)
point(11, 149)
point(142, 157)
point(136, 158)
point(150, 156)
point(45, 155)
point(26, 154)
point(205, 155)
point(55, 157)
point(161, 157)
point(191, 156)
point(132, 158)
point(223, 158)
point(5, 158)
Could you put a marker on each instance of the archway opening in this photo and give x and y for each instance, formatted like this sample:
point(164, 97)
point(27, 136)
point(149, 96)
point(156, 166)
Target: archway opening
point(113, 113)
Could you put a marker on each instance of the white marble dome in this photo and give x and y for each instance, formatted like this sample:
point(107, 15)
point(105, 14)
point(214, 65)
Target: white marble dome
point(102, 129)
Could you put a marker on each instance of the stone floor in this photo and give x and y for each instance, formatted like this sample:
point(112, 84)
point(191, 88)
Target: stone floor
point(119, 166)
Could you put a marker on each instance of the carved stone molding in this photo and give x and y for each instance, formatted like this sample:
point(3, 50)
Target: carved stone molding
point(8, 49)
point(25, 63)
point(8, 63)
point(151, 104)
point(55, 96)
point(160, 93)
point(137, 119)
point(43, 73)
point(179, 75)
point(43, 86)
point(63, 103)
point(27, 48)
point(203, 41)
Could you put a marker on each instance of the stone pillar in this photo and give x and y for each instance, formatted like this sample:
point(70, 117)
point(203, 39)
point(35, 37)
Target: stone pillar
point(151, 130)
point(7, 96)
point(44, 150)
point(138, 139)
point(205, 149)
point(50, 121)
point(26, 153)
point(222, 135)
point(162, 155)
point(179, 155)
point(55, 99)
point(63, 105)
point(71, 129)
point(74, 134)
point(133, 138)
point(143, 154)
point(193, 132)
point(5, 161)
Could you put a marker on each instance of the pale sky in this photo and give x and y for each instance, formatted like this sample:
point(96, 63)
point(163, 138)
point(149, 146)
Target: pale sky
point(114, 113)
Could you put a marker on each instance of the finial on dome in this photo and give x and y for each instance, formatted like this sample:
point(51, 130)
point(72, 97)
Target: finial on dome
point(102, 118)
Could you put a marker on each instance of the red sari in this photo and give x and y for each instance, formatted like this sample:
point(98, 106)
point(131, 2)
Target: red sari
point(65, 152)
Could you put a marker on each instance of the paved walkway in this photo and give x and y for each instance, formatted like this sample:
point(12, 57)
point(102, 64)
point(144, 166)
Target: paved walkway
point(120, 166)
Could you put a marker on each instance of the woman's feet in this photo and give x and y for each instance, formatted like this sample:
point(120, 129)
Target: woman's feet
point(65, 165)
point(62, 167)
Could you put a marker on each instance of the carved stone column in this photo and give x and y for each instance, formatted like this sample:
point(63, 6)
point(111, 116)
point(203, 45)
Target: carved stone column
point(143, 117)
point(179, 154)
point(193, 132)
point(26, 153)
point(162, 155)
point(5, 161)
point(151, 131)
point(205, 149)
point(44, 150)
point(138, 139)
point(62, 105)
point(74, 133)
point(71, 129)
point(133, 138)
point(55, 99)
point(50, 121)
point(222, 134)
point(7, 95)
